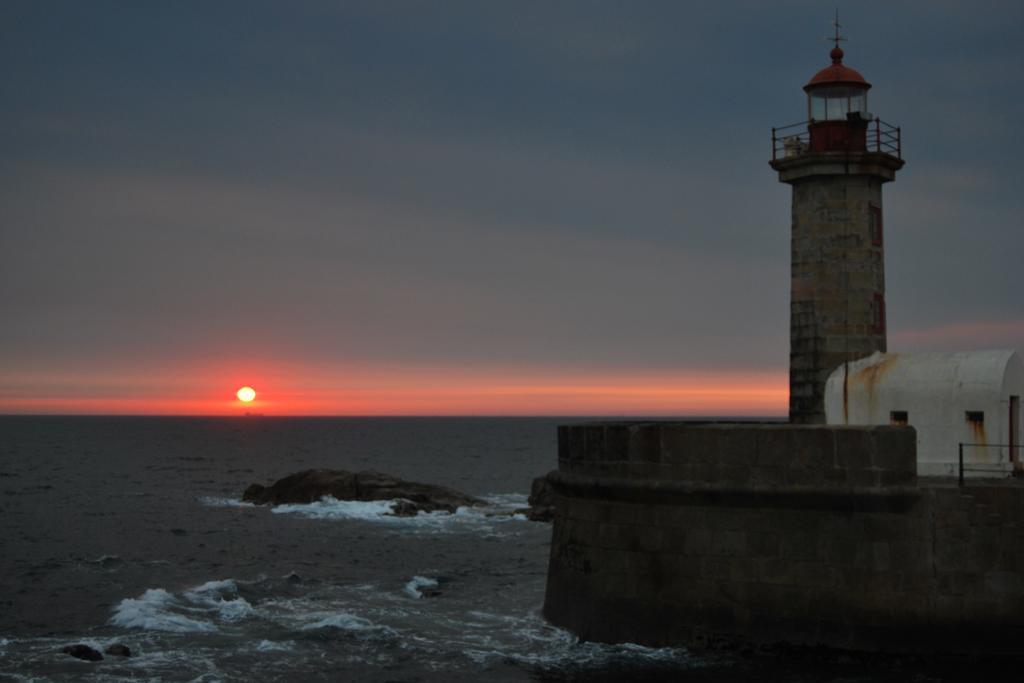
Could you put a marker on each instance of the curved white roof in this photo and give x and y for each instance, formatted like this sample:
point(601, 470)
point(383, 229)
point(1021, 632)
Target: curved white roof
point(968, 374)
point(937, 393)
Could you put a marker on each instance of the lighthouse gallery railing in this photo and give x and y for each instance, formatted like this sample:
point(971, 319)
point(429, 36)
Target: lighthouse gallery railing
point(794, 139)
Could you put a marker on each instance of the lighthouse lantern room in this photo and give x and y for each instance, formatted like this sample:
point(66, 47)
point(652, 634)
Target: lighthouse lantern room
point(837, 108)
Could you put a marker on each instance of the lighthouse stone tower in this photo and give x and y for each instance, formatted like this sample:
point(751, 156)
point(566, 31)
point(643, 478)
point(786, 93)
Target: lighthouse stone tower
point(837, 162)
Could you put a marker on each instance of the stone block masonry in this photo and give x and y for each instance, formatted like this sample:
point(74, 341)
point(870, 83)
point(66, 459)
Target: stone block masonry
point(837, 290)
point(703, 534)
point(837, 270)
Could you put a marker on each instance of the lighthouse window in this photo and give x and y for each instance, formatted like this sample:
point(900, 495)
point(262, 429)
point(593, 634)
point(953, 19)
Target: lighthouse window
point(899, 418)
point(976, 416)
point(837, 107)
point(832, 104)
point(878, 314)
point(858, 100)
point(876, 225)
point(818, 107)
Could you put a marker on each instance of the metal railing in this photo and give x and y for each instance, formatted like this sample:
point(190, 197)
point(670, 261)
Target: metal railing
point(795, 139)
point(1006, 469)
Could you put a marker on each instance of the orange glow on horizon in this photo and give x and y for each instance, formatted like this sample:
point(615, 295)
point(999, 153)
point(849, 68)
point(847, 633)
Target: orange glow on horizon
point(295, 391)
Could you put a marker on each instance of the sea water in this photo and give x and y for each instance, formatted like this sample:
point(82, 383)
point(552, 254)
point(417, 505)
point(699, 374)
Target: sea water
point(132, 530)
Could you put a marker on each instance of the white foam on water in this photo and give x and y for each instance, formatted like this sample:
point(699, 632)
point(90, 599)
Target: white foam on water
point(154, 611)
point(207, 678)
point(199, 663)
point(221, 596)
point(531, 642)
point(511, 501)
point(220, 502)
point(203, 591)
point(173, 662)
point(366, 624)
point(498, 511)
point(464, 519)
point(342, 621)
point(341, 611)
point(197, 610)
point(329, 507)
point(482, 639)
point(412, 589)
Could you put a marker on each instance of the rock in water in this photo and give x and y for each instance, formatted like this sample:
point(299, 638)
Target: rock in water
point(404, 508)
point(542, 502)
point(541, 493)
point(119, 650)
point(82, 651)
point(312, 485)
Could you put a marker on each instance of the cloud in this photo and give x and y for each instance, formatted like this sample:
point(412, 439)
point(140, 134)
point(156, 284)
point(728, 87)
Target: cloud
point(978, 334)
point(176, 264)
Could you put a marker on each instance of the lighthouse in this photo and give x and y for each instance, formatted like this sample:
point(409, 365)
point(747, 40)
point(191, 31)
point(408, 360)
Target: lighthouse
point(836, 162)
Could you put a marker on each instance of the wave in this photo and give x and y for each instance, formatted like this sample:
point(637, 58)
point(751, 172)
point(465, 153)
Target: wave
point(329, 507)
point(215, 605)
point(499, 510)
point(222, 502)
point(212, 624)
point(197, 610)
point(412, 589)
point(532, 643)
point(507, 501)
point(106, 561)
point(222, 597)
point(464, 519)
point(274, 646)
point(341, 621)
point(154, 610)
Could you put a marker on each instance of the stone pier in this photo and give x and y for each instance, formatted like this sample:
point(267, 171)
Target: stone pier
point(716, 534)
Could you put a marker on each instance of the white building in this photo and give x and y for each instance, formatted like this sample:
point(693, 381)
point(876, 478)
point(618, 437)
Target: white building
point(970, 397)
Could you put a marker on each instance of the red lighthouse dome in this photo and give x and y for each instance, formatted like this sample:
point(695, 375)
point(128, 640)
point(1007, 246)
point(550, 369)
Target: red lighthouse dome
point(837, 73)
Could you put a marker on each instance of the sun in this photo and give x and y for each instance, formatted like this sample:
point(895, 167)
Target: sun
point(246, 394)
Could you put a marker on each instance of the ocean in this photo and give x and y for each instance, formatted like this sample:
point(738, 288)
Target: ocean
point(131, 530)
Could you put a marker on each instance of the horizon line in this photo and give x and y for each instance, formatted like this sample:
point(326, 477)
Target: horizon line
point(408, 416)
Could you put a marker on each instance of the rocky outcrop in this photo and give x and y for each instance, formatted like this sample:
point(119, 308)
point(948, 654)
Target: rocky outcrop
point(118, 650)
point(542, 502)
point(83, 651)
point(311, 485)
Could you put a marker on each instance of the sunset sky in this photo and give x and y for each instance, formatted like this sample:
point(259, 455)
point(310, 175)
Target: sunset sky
point(471, 208)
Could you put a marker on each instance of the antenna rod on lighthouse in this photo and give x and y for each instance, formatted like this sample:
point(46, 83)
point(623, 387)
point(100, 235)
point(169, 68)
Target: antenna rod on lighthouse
point(836, 38)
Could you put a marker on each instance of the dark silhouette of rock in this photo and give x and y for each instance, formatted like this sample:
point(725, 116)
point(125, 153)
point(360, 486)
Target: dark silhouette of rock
point(118, 650)
point(542, 502)
point(312, 485)
point(404, 508)
point(541, 493)
point(83, 651)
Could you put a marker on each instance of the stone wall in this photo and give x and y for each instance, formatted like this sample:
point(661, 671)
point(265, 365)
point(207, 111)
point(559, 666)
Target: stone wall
point(702, 534)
